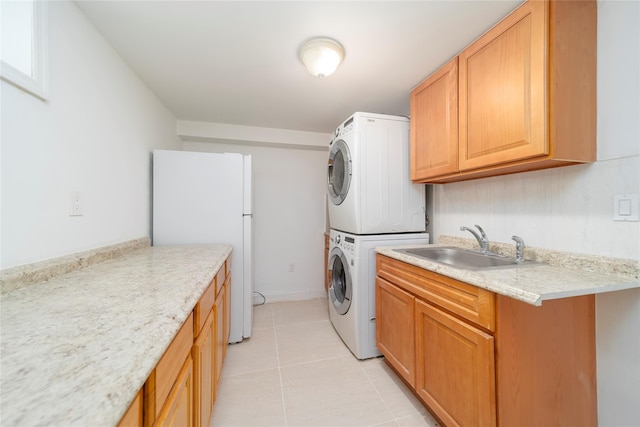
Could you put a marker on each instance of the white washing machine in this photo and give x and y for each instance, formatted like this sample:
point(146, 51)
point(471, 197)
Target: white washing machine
point(352, 293)
point(368, 177)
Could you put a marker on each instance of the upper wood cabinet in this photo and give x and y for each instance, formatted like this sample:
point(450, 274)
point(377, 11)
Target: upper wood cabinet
point(526, 98)
point(502, 91)
point(434, 124)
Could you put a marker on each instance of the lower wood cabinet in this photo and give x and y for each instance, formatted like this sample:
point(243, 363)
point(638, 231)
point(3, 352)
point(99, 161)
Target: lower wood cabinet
point(161, 385)
point(178, 409)
point(395, 329)
point(546, 362)
point(220, 338)
point(203, 359)
point(455, 372)
point(181, 389)
point(227, 314)
point(475, 358)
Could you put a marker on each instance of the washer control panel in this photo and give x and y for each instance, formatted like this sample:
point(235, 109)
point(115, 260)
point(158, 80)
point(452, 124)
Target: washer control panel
point(345, 242)
point(349, 244)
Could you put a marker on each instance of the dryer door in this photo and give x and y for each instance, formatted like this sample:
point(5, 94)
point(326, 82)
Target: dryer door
point(338, 172)
point(341, 287)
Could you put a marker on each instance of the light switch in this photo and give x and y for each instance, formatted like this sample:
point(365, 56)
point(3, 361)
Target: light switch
point(625, 207)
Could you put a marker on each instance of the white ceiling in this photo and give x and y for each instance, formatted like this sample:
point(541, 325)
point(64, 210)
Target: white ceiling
point(236, 62)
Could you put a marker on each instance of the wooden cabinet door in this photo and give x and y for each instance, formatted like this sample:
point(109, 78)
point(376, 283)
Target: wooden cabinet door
point(502, 91)
point(395, 328)
point(227, 313)
point(203, 360)
point(220, 340)
point(178, 409)
point(455, 368)
point(434, 124)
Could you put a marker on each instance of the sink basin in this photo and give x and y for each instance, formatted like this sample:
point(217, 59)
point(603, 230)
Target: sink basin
point(465, 259)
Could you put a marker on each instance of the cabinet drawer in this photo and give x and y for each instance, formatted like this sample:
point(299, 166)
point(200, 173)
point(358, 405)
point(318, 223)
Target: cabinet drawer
point(466, 301)
point(204, 307)
point(166, 372)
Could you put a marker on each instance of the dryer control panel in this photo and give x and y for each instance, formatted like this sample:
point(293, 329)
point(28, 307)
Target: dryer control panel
point(342, 130)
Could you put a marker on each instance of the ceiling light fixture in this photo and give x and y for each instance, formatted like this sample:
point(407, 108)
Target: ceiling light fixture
point(321, 56)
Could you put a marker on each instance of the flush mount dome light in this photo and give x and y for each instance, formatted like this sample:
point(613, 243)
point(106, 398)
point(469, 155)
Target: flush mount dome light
point(321, 56)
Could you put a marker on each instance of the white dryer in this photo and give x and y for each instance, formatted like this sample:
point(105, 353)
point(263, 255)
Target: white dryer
point(368, 177)
point(352, 293)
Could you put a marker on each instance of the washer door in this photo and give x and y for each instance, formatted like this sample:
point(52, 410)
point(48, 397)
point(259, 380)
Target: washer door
point(338, 172)
point(341, 287)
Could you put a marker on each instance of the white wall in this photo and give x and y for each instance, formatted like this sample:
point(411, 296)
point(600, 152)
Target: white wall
point(94, 135)
point(288, 217)
point(571, 208)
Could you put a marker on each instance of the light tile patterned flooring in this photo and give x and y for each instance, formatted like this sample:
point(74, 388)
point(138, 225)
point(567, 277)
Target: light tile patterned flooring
point(295, 371)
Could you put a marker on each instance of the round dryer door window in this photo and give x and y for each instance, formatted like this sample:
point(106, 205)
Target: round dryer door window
point(340, 289)
point(338, 172)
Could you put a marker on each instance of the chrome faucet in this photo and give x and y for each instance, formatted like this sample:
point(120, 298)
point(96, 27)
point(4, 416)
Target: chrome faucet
point(481, 238)
point(519, 248)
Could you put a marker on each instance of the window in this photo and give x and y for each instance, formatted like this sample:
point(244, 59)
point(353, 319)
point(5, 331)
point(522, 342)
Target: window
point(23, 54)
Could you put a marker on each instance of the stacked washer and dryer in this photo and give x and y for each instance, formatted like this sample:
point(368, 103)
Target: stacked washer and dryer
point(372, 202)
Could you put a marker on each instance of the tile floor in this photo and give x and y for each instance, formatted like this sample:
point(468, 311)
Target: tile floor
point(295, 371)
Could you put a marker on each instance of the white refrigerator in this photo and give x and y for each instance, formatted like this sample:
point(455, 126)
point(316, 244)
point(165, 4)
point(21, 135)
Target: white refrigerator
point(206, 198)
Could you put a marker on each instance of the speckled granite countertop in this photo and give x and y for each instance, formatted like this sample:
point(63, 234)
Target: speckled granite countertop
point(563, 275)
point(76, 349)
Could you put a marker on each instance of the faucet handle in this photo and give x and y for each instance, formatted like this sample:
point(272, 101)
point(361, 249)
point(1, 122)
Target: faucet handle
point(482, 233)
point(519, 248)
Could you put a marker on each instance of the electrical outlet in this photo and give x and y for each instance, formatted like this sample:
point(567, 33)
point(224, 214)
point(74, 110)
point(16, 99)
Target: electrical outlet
point(292, 268)
point(75, 206)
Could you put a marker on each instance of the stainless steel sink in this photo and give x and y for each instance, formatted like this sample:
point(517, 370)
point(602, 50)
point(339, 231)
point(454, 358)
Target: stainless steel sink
point(465, 259)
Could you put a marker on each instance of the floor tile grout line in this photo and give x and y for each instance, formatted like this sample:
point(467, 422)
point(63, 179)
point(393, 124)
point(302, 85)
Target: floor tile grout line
point(295, 324)
point(322, 359)
point(384, 402)
point(275, 334)
point(257, 371)
point(394, 419)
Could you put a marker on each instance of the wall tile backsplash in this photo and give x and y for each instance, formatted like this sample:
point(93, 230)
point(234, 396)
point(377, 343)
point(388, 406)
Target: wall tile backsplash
point(568, 209)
